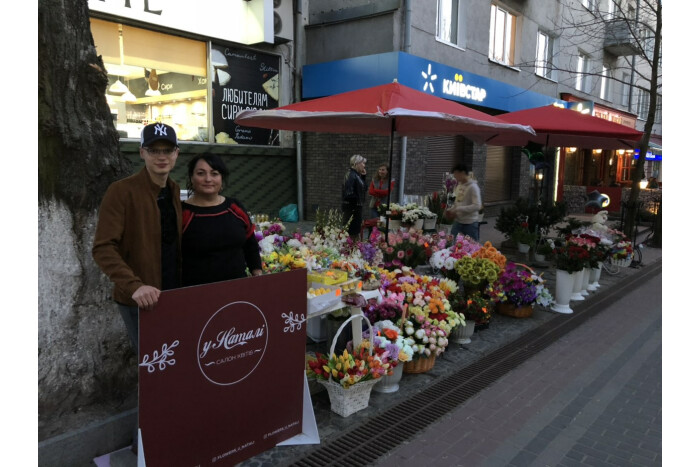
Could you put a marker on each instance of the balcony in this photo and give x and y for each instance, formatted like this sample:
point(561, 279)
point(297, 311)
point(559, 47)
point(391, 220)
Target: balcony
point(619, 40)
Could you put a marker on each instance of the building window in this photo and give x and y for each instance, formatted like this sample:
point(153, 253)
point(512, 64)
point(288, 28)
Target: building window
point(604, 85)
point(590, 4)
point(625, 90)
point(612, 9)
point(626, 166)
point(543, 67)
point(582, 73)
point(647, 40)
point(642, 104)
point(502, 36)
point(448, 20)
point(150, 83)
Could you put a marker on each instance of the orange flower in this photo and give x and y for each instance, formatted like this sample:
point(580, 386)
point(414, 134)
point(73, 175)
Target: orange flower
point(391, 334)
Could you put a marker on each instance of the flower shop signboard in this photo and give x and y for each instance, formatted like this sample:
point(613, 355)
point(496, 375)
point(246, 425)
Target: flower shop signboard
point(221, 370)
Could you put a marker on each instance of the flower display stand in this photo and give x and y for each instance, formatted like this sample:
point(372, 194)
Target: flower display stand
point(429, 223)
point(418, 224)
point(420, 365)
point(584, 281)
point(523, 248)
point(595, 277)
point(394, 224)
point(388, 384)
point(578, 285)
point(540, 258)
point(564, 289)
point(347, 401)
point(509, 309)
point(462, 334)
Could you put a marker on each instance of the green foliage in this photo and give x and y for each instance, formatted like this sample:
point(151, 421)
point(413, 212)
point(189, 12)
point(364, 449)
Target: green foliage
point(542, 217)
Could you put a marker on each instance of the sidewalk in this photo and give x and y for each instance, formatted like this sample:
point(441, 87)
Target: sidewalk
point(502, 332)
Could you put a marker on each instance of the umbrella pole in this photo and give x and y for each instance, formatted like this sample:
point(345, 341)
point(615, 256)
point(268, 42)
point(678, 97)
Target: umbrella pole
point(388, 199)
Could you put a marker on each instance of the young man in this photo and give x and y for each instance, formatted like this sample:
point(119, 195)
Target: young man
point(137, 240)
point(467, 203)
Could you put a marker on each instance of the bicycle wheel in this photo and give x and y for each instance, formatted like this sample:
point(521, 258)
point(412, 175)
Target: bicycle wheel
point(610, 268)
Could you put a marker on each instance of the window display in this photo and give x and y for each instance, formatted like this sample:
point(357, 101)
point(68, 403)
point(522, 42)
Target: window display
point(153, 77)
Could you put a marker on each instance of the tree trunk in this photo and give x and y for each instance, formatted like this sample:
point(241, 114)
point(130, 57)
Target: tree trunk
point(638, 173)
point(86, 365)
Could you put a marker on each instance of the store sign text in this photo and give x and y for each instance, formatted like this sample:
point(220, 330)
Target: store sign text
point(146, 7)
point(237, 100)
point(466, 91)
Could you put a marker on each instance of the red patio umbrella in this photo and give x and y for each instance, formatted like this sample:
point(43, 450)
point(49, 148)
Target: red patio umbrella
point(387, 109)
point(564, 127)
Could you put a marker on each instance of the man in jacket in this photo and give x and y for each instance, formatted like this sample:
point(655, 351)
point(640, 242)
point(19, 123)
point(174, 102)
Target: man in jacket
point(137, 240)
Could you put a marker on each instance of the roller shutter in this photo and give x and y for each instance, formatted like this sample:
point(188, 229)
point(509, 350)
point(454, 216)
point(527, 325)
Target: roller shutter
point(498, 174)
point(443, 154)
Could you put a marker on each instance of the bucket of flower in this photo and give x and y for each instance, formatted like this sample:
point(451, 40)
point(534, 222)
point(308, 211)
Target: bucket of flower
point(348, 377)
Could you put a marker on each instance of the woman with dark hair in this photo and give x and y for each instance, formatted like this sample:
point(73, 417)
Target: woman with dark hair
point(218, 238)
point(379, 189)
point(354, 188)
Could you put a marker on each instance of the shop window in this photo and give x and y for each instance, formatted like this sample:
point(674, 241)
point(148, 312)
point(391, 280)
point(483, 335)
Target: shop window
point(153, 77)
point(502, 36)
point(626, 166)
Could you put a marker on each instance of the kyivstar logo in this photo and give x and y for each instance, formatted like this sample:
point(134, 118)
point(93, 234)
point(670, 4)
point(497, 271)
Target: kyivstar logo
point(457, 88)
point(429, 77)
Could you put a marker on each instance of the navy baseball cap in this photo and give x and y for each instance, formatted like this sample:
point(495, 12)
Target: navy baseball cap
point(157, 132)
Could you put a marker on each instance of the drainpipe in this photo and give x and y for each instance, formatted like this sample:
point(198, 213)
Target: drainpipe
point(404, 140)
point(298, 62)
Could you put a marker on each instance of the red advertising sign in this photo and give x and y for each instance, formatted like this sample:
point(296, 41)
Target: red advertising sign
point(221, 370)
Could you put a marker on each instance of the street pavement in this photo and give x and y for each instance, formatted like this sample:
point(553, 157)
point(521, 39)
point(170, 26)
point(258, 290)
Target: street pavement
point(591, 398)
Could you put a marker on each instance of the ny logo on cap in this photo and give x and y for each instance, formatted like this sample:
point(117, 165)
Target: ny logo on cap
point(160, 130)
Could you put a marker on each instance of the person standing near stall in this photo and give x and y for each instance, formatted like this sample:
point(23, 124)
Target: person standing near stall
point(137, 239)
point(379, 189)
point(218, 237)
point(354, 188)
point(467, 203)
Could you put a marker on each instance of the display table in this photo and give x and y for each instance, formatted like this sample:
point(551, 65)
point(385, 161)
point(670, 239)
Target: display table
point(354, 310)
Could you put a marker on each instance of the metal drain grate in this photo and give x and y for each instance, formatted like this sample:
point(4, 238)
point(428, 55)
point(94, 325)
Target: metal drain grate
point(367, 443)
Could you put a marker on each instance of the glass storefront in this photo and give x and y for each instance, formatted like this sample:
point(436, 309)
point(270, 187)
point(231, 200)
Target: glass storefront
point(153, 77)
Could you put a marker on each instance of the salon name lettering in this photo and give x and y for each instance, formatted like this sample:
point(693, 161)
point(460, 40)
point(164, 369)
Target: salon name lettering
point(237, 100)
point(230, 338)
point(146, 6)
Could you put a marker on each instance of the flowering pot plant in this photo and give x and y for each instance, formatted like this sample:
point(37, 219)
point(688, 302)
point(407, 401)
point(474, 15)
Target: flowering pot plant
point(571, 257)
point(520, 287)
point(347, 368)
point(475, 307)
point(391, 308)
point(523, 234)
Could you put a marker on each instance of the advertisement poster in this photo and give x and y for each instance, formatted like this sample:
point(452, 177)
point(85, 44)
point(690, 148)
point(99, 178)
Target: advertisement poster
point(243, 79)
point(221, 370)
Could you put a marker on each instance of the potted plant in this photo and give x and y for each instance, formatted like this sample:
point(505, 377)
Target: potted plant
point(544, 249)
point(524, 237)
point(569, 259)
point(476, 310)
point(476, 273)
point(517, 289)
